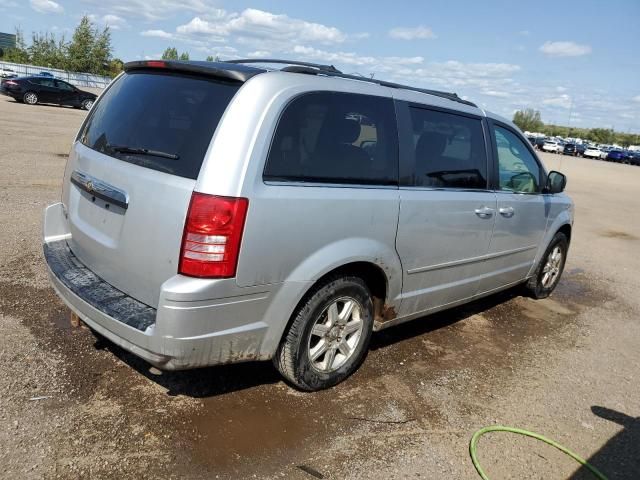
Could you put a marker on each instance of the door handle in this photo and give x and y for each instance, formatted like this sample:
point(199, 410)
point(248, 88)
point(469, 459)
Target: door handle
point(484, 212)
point(506, 211)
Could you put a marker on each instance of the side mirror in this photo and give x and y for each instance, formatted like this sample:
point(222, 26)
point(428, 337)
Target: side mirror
point(556, 182)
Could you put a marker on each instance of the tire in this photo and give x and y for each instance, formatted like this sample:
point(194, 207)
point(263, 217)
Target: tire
point(87, 104)
point(540, 285)
point(30, 98)
point(322, 320)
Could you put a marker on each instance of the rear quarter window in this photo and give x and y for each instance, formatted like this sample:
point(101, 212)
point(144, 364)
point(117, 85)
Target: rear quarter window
point(333, 137)
point(170, 113)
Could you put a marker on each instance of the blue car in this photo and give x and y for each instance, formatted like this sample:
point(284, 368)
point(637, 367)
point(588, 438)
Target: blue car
point(616, 156)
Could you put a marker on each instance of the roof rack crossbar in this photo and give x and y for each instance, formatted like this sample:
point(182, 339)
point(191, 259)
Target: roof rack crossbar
point(331, 71)
point(323, 68)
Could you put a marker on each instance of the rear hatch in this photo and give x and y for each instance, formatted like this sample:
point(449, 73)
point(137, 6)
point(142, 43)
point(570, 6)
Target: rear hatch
point(132, 170)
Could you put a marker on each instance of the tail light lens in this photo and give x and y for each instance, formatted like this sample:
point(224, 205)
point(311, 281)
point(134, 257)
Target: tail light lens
point(10, 82)
point(212, 236)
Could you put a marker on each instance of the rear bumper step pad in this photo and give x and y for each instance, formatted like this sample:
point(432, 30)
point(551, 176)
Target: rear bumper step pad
point(95, 291)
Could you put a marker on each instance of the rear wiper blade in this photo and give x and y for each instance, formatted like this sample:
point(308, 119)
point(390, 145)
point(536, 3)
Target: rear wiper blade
point(142, 151)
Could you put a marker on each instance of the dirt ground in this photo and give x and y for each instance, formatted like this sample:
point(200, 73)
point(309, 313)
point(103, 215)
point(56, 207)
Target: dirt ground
point(74, 406)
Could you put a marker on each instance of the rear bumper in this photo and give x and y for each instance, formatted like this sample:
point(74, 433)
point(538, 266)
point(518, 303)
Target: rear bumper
point(183, 332)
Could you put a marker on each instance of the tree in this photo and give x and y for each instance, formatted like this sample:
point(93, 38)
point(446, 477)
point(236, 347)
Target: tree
point(528, 120)
point(46, 51)
point(170, 54)
point(601, 135)
point(101, 52)
point(209, 58)
point(82, 46)
point(184, 56)
point(115, 67)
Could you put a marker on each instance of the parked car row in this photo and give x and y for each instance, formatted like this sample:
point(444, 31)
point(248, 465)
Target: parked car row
point(9, 73)
point(610, 154)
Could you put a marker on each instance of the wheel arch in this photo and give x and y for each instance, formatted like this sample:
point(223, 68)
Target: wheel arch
point(566, 230)
point(374, 276)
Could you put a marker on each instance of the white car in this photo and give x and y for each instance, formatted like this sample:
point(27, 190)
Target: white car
point(551, 146)
point(7, 73)
point(591, 152)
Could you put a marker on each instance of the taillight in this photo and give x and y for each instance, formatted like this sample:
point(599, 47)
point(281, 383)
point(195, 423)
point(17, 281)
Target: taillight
point(156, 64)
point(10, 82)
point(212, 236)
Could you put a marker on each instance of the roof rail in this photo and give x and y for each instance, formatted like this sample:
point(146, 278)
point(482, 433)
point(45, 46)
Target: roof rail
point(331, 71)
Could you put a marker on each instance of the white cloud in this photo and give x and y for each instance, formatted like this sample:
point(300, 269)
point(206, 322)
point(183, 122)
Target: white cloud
point(152, 10)
point(564, 49)
point(496, 93)
point(259, 54)
point(411, 33)
point(455, 74)
point(156, 33)
point(636, 98)
point(380, 64)
point(114, 22)
point(46, 6)
point(259, 29)
point(562, 101)
point(524, 33)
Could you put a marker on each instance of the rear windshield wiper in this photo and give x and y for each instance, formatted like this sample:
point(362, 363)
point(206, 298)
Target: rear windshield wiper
point(142, 151)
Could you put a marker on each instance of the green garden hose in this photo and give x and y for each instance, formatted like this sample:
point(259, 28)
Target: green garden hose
point(498, 428)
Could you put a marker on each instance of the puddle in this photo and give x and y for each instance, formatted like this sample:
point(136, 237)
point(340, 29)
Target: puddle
point(258, 425)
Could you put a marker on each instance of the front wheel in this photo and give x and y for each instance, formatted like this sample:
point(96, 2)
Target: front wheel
point(329, 336)
point(87, 104)
point(550, 268)
point(30, 98)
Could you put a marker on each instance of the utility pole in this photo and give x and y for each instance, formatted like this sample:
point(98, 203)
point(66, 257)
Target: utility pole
point(570, 112)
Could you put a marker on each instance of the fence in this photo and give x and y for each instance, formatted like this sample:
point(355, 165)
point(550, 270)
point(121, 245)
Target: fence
point(75, 78)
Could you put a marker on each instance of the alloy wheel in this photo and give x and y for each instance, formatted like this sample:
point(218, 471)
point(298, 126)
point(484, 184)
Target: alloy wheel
point(551, 269)
point(335, 335)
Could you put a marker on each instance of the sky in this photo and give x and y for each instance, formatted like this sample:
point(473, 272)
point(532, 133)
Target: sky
point(577, 62)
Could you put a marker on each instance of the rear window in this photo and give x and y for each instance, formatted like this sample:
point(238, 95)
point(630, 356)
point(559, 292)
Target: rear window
point(162, 121)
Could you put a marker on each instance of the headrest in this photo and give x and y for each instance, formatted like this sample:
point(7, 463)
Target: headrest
point(347, 130)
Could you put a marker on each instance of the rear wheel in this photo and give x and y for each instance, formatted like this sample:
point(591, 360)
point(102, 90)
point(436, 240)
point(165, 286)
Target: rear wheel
point(87, 104)
point(550, 268)
point(329, 336)
point(30, 98)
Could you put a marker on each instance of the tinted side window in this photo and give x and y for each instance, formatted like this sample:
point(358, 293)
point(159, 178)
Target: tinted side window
point(173, 114)
point(63, 86)
point(449, 150)
point(518, 170)
point(335, 138)
point(45, 82)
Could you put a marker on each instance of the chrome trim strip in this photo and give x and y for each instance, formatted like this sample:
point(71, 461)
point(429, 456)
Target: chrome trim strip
point(100, 189)
point(456, 263)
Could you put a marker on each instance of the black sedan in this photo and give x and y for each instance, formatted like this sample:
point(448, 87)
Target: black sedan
point(40, 89)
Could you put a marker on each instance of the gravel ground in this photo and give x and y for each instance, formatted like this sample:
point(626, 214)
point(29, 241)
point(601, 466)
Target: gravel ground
point(75, 406)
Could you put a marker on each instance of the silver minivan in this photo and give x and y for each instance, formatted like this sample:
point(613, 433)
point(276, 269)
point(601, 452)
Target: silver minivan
point(225, 212)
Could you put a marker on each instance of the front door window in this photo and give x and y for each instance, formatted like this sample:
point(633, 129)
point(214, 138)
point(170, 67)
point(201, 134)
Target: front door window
point(518, 169)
